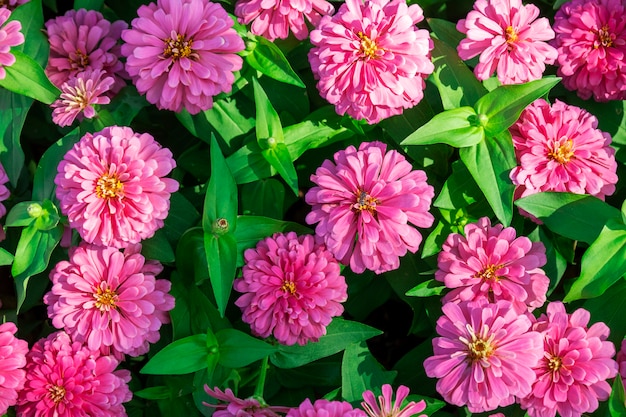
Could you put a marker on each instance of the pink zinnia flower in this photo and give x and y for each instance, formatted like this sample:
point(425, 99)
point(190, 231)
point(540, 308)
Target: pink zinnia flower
point(591, 41)
point(492, 262)
point(65, 378)
point(12, 4)
point(485, 354)
point(84, 39)
point(111, 186)
point(10, 35)
point(577, 361)
point(292, 288)
point(12, 359)
point(4, 191)
point(109, 300)
point(364, 202)
point(386, 406)
point(621, 361)
point(325, 408)
point(509, 39)
point(236, 407)
point(559, 148)
point(274, 19)
point(182, 53)
point(370, 59)
point(78, 96)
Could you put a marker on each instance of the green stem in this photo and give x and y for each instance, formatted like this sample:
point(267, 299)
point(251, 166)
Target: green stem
point(260, 385)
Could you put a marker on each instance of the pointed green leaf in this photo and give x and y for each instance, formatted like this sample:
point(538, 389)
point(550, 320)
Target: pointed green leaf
point(88, 4)
point(35, 43)
point(43, 184)
point(267, 58)
point(220, 201)
point(6, 258)
point(360, 371)
point(427, 289)
point(455, 127)
point(183, 356)
point(27, 77)
point(158, 248)
point(609, 309)
point(221, 254)
point(280, 159)
point(617, 400)
point(267, 121)
point(446, 31)
point(460, 190)
point(238, 349)
point(13, 111)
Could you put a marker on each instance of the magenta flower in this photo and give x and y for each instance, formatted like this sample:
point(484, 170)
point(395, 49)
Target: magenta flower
point(12, 4)
point(325, 408)
point(621, 361)
point(509, 39)
point(236, 407)
point(370, 59)
point(591, 41)
point(4, 191)
point(485, 354)
point(577, 361)
point(109, 300)
point(81, 40)
point(491, 262)
point(111, 186)
point(182, 53)
point(65, 378)
point(10, 35)
point(12, 359)
point(78, 96)
point(363, 203)
point(385, 406)
point(559, 148)
point(292, 288)
point(275, 19)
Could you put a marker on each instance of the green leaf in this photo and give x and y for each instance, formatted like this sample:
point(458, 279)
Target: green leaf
point(446, 31)
point(427, 289)
point(13, 111)
point(28, 78)
point(489, 163)
point(460, 190)
point(43, 183)
point(503, 105)
point(455, 127)
point(183, 356)
point(263, 198)
point(609, 309)
point(125, 106)
point(339, 335)
point(617, 400)
point(158, 248)
point(191, 259)
point(155, 393)
point(19, 215)
point(267, 58)
point(280, 159)
point(35, 43)
point(221, 254)
point(402, 125)
point(88, 4)
point(575, 216)
point(238, 349)
point(360, 372)
point(6, 258)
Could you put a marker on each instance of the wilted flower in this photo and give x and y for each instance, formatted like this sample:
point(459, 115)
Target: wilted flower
point(509, 39)
point(325, 408)
point(485, 354)
point(236, 407)
point(385, 406)
point(10, 35)
point(591, 44)
point(292, 288)
point(111, 186)
point(369, 58)
point(363, 203)
point(109, 300)
point(12, 359)
point(182, 53)
point(577, 361)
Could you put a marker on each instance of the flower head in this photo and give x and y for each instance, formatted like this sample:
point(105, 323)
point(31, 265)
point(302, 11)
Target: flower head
point(363, 203)
point(577, 361)
point(182, 53)
point(275, 19)
point(485, 354)
point(12, 359)
point(111, 186)
point(370, 59)
point(237, 407)
point(109, 300)
point(491, 262)
point(385, 406)
point(559, 148)
point(81, 40)
point(65, 378)
point(10, 35)
point(292, 288)
point(591, 44)
point(509, 39)
point(325, 408)
point(621, 361)
point(78, 96)
point(4, 191)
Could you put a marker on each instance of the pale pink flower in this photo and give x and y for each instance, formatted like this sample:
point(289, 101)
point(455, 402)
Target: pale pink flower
point(109, 300)
point(560, 148)
point(65, 378)
point(84, 39)
point(370, 59)
point(363, 203)
point(237, 407)
point(4, 191)
point(509, 39)
point(111, 186)
point(325, 408)
point(275, 19)
point(10, 35)
point(292, 288)
point(577, 361)
point(182, 53)
point(386, 406)
point(591, 41)
point(12, 361)
point(492, 262)
point(78, 96)
point(485, 354)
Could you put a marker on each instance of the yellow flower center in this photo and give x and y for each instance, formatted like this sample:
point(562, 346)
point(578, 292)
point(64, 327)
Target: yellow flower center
point(479, 349)
point(554, 364)
point(106, 299)
point(289, 286)
point(177, 48)
point(562, 153)
point(56, 393)
point(368, 47)
point(489, 273)
point(510, 35)
point(605, 38)
point(80, 61)
point(365, 202)
point(108, 187)
point(480, 345)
